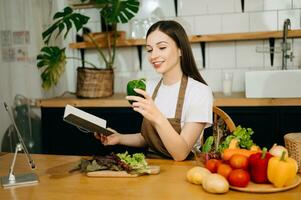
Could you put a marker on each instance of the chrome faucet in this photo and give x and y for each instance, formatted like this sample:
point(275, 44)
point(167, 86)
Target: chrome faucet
point(285, 45)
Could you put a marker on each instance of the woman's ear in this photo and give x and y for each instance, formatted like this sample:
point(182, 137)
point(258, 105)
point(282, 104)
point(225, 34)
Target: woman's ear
point(180, 52)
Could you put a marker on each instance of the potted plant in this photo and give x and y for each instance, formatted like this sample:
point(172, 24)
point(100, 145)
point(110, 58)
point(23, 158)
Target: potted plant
point(92, 81)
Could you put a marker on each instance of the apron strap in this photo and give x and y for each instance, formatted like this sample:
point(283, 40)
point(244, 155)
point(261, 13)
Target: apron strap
point(181, 97)
point(156, 89)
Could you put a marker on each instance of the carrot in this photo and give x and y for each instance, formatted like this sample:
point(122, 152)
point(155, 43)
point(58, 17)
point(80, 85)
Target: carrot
point(227, 153)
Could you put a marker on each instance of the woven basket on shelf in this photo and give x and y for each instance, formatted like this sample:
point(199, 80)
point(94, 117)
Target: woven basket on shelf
point(293, 145)
point(94, 83)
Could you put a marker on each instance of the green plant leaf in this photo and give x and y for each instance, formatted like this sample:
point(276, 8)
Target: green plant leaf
point(118, 11)
point(69, 26)
point(77, 21)
point(52, 61)
point(61, 28)
point(47, 33)
point(64, 21)
point(66, 11)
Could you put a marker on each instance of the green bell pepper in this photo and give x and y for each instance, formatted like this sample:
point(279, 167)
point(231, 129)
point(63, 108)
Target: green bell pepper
point(135, 84)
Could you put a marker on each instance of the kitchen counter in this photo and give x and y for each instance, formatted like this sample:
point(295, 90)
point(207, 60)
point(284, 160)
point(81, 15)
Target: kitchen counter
point(57, 183)
point(269, 118)
point(118, 100)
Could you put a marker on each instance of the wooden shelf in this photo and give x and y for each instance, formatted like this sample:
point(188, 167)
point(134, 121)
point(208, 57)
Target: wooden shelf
point(120, 43)
point(202, 38)
point(244, 36)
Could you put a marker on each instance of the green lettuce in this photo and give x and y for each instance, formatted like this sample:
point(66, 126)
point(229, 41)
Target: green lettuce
point(136, 161)
point(243, 135)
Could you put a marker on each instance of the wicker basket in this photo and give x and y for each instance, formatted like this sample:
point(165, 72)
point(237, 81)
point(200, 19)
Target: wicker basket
point(94, 83)
point(293, 145)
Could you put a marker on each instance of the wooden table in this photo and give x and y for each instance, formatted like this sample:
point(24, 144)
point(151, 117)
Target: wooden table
point(57, 183)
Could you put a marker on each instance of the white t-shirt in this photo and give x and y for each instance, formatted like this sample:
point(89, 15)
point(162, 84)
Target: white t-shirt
point(198, 100)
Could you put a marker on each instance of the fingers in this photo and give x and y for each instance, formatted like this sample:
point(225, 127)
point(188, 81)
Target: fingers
point(102, 138)
point(142, 92)
point(135, 98)
point(139, 110)
point(143, 106)
point(140, 104)
point(97, 136)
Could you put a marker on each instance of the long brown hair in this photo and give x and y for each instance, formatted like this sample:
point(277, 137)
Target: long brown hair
point(175, 31)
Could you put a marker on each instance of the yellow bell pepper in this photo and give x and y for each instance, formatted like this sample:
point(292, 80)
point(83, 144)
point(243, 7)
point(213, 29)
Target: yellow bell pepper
point(281, 171)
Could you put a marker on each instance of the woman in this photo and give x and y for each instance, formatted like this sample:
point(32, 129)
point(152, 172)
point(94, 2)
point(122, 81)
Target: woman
point(175, 109)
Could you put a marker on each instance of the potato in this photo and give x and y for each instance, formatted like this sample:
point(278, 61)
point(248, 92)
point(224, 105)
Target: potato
point(215, 183)
point(196, 174)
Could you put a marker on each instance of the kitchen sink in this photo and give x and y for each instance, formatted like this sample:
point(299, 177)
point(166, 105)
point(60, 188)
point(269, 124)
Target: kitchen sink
point(273, 84)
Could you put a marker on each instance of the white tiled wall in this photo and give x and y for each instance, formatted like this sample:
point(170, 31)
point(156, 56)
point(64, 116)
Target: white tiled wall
point(246, 55)
point(208, 24)
point(296, 4)
point(214, 17)
point(221, 55)
point(188, 9)
point(235, 23)
point(254, 5)
point(297, 52)
point(263, 21)
point(277, 4)
point(217, 6)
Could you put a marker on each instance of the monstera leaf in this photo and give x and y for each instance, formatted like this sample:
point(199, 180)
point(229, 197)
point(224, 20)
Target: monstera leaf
point(118, 11)
point(65, 20)
point(52, 61)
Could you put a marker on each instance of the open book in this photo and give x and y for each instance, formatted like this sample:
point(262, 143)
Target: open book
point(85, 121)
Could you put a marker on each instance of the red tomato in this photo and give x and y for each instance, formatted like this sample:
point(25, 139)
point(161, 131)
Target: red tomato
point(238, 161)
point(239, 178)
point(224, 170)
point(212, 165)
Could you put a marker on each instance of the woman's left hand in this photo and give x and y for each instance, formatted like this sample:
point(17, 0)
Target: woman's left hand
point(145, 106)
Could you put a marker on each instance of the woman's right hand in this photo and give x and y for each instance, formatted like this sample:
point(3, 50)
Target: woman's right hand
point(110, 139)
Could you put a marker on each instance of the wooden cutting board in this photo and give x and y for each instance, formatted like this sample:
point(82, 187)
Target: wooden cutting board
point(154, 169)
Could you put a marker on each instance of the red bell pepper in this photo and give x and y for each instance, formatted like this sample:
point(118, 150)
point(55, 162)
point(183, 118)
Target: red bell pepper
point(258, 164)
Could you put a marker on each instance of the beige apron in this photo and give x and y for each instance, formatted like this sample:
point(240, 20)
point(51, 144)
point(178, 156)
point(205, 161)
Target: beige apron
point(151, 137)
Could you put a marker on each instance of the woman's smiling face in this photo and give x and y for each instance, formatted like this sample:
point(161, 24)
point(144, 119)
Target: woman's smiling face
point(163, 52)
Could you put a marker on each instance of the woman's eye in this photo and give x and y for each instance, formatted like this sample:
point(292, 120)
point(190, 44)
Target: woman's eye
point(149, 50)
point(162, 48)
